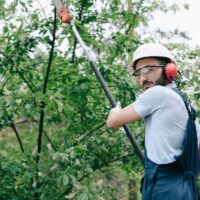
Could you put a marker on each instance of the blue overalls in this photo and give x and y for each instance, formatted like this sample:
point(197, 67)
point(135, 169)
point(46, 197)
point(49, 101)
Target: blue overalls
point(177, 180)
point(168, 182)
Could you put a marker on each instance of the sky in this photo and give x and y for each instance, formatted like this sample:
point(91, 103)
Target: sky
point(185, 20)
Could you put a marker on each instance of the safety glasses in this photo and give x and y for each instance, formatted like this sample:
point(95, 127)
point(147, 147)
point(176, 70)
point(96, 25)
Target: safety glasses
point(145, 70)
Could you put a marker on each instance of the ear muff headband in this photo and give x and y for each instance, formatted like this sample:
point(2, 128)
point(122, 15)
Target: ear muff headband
point(171, 72)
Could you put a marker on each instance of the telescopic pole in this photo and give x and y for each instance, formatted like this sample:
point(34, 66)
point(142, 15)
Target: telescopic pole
point(66, 17)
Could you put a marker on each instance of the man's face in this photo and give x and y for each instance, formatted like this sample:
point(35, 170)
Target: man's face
point(149, 73)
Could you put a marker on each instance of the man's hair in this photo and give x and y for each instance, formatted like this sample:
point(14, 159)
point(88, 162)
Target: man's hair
point(162, 60)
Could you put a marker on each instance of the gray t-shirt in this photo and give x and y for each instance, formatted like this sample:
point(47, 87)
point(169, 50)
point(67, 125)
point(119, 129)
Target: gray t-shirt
point(165, 118)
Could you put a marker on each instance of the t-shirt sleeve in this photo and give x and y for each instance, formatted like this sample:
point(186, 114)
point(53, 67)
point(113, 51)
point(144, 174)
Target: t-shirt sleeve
point(150, 101)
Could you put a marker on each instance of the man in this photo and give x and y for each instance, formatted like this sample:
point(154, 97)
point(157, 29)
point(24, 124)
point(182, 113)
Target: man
point(166, 120)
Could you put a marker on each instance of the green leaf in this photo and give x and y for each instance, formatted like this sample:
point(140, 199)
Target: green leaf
point(65, 179)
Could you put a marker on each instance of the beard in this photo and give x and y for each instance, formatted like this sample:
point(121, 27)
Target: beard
point(148, 84)
point(161, 80)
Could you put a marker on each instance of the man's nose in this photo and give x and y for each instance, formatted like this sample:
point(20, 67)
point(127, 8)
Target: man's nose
point(142, 77)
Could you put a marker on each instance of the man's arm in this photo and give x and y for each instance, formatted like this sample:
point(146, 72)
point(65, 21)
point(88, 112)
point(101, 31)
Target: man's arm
point(116, 119)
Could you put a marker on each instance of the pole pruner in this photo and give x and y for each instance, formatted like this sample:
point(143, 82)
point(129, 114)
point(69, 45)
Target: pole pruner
point(65, 15)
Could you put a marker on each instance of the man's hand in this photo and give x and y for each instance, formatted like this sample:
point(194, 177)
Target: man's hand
point(118, 107)
point(120, 116)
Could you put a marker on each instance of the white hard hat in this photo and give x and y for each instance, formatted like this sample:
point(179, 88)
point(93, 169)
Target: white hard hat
point(151, 50)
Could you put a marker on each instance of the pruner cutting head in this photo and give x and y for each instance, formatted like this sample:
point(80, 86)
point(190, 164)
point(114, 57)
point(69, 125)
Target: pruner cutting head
point(63, 11)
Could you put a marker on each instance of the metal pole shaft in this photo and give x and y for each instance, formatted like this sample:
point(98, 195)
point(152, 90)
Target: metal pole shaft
point(106, 90)
point(113, 103)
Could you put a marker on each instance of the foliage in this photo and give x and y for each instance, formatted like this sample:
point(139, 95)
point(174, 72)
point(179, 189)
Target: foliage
point(52, 103)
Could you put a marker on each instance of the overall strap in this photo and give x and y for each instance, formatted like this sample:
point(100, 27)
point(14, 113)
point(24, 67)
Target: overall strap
point(190, 109)
point(190, 157)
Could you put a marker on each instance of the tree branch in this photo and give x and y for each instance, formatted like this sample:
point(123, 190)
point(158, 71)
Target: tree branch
point(139, 5)
point(17, 135)
point(46, 135)
point(41, 121)
point(42, 113)
point(83, 136)
point(18, 71)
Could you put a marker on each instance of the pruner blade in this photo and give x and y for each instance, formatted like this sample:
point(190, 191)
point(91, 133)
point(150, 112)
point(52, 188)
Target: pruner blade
point(63, 11)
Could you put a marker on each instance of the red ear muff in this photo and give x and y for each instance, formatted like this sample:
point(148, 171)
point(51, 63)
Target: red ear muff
point(171, 72)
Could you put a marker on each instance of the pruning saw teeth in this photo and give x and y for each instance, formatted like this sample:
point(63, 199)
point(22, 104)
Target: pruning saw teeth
point(63, 11)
